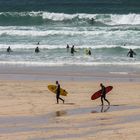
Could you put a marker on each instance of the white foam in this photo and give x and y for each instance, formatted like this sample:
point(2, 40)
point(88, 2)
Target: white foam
point(49, 32)
point(122, 73)
point(62, 16)
point(73, 32)
point(112, 19)
point(32, 46)
point(132, 19)
point(58, 16)
point(63, 63)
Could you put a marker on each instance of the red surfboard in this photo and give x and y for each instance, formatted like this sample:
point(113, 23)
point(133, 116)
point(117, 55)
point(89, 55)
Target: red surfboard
point(98, 93)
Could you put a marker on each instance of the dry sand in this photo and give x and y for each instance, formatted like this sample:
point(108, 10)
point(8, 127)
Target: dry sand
point(28, 111)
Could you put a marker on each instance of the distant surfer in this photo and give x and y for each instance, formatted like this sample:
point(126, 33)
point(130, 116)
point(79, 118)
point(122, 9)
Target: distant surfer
point(38, 43)
point(88, 52)
point(9, 49)
point(68, 48)
point(58, 93)
point(37, 50)
point(72, 50)
point(103, 94)
point(92, 20)
point(131, 53)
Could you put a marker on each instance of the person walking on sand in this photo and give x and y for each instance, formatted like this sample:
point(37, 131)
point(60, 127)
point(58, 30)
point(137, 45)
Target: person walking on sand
point(58, 93)
point(131, 53)
point(103, 95)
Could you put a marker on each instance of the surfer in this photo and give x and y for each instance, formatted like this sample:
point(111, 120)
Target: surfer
point(103, 94)
point(58, 93)
point(72, 50)
point(37, 50)
point(9, 49)
point(92, 20)
point(67, 48)
point(131, 53)
point(88, 52)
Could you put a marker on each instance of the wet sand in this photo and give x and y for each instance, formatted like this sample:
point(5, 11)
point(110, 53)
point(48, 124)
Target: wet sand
point(70, 73)
point(28, 111)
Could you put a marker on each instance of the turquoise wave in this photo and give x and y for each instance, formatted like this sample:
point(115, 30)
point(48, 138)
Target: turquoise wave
point(41, 18)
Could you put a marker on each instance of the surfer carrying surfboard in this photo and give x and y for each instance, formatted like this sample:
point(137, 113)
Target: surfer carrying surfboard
point(103, 94)
point(58, 93)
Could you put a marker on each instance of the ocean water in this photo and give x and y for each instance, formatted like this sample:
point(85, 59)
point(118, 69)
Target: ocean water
point(56, 23)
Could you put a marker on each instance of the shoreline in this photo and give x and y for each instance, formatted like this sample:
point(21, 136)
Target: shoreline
point(70, 73)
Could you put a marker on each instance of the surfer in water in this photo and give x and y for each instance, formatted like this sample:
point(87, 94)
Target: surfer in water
point(67, 48)
point(9, 49)
point(58, 93)
point(92, 21)
point(103, 94)
point(88, 51)
point(72, 50)
point(37, 50)
point(131, 53)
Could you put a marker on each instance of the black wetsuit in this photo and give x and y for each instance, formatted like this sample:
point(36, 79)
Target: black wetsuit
point(37, 50)
point(9, 50)
point(58, 94)
point(131, 53)
point(72, 50)
point(89, 52)
point(68, 48)
point(103, 96)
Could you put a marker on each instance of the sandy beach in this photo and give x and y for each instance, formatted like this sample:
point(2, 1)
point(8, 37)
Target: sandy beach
point(28, 111)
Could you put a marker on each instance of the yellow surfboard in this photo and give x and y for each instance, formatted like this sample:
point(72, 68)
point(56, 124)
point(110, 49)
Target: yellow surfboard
point(52, 88)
